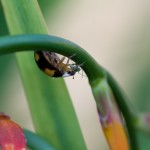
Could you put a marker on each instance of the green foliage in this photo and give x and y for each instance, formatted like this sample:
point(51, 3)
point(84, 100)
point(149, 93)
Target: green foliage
point(52, 111)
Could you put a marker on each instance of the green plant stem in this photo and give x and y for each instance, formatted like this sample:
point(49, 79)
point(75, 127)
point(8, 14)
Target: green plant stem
point(36, 142)
point(23, 17)
point(67, 48)
point(126, 110)
point(54, 44)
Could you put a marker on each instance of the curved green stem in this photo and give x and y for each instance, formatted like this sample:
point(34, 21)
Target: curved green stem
point(55, 44)
point(125, 109)
point(36, 142)
point(94, 72)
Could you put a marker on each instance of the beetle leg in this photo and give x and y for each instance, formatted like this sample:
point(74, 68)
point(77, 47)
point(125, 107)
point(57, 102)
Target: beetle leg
point(69, 59)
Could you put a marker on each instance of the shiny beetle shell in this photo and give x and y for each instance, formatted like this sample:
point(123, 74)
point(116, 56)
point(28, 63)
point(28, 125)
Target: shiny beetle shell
point(53, 66)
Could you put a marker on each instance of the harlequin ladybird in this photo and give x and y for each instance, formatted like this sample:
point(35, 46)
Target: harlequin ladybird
point(53, 66)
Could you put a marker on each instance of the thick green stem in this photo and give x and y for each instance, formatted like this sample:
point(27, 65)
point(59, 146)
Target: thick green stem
point(126, 110)
point(50, 109)
point(54, 44)
point(67, 48)
point(110, 116)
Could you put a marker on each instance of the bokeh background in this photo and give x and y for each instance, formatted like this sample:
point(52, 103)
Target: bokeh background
point(116, 33)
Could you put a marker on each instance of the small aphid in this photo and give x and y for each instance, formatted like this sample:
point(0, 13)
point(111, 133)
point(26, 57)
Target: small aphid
point(53, 66)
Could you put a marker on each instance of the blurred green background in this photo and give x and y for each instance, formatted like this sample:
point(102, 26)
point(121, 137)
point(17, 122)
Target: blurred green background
point(116, 33)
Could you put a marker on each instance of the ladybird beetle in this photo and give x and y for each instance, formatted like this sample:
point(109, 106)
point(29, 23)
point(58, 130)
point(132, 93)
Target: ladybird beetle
point(53, 66)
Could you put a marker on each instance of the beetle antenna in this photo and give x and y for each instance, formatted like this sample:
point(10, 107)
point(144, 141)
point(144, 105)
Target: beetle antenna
point(81, 64)
point(72, 55)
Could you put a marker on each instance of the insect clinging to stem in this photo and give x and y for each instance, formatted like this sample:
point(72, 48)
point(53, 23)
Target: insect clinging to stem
point(53, 66)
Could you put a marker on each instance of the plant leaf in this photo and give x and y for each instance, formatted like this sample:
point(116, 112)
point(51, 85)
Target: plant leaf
point(52, 111)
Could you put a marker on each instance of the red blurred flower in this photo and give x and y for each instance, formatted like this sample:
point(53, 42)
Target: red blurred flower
point(11, 134)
